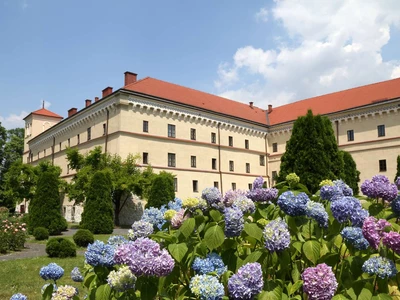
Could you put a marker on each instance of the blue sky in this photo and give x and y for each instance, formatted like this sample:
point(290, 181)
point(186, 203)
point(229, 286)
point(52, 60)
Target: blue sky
point(269, 52)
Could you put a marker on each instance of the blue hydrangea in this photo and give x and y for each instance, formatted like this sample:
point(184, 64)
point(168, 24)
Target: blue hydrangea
point(51, 272)
point(116, 240)
point(336, 191)
point(234, 222)
point(293, 205)
point(317, 212)
point(247, 282)
point(154, 216)
point(343, 187)
point(380, 266)
point(212, 263)
point(355, 237)
point(358, 217)
point(175, 205)
point(206, 287)
point(396, 205)
point(276, 235)
point(76, 275)
point(18, 296)
point(348, 209)
point(213, 197)
point(100, 254)
point(140, 229)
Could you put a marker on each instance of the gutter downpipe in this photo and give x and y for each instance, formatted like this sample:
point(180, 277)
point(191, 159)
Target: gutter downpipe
point(266, 160)
point(219, 157)
point(106, 141)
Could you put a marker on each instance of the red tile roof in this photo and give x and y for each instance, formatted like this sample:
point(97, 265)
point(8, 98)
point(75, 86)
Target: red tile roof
point(188, 96)
point(44, 112)
point(335, 102)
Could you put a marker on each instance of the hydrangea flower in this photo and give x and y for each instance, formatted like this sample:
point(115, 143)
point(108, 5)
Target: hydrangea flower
point(154, 216)
point(100, 254)
point(247, 282)
point(276, 235)
point(44, 287)
point(343, 187)
point(355, 237)
point(213, 196)
point(179, 218)
point(212, 263)
point(52, 271)
point(175, 205)
point(19, 296)
point(76, 275)
point(293, 205)
point(258, 183)
point(319, 282)
point(121, 280)
point(396, 206)
point(392, 241)
point(326, 182)
point(379, 187)
point(116, 240)
point(206, 287)
point(292, 179)
point(234, 222)
point(192, 204)
point(65, 292)
point(245, 204)
point(169, 214)
point(380, 266)
point(230, 197)
point(334, 190)
point(144, 257)
point(317, 212)
point(262, 194)
point(348, 209)
point(358, 217)
point(373, 230)
point(140, 229)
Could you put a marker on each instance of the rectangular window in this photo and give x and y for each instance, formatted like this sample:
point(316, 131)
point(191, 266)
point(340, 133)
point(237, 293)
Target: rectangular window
point(231, 166)
point(274, 147)
point(247, 167)
point(44, 152)
point(171, 130)
point(381, 130)
point(193, 161)
point(69, 142)
point(171, 160)
point(79, 139)
point(145, 126)
point(104, 129)
point(145, 158)
point(60, 146)
point(274, 175)
point(214, 163)
point(195, 186)
point(262, 160)
point(213, 137)
point(350, 135)
point(216, 184)
point(67, 169)
point(175, 184)
point(38, 155)
point(89, 133)
point(246, 144)
point(250, 186)
point(231, 141)
point(234, 186)
point(193, 134)
point(382, 165)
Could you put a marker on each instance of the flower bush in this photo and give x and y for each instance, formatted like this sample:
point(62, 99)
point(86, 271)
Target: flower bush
point(264, 243)
point(13, 235)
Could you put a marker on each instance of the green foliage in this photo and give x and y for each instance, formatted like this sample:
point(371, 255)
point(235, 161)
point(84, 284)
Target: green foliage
point(398, 168)
point(312, 152)
point(40, 233)
point(45, 207)
point(60, 247)
point(83, 237)
point(4, 213)
point(97, 215)
point(350, 173)
point(162, 190)
point(12, 234)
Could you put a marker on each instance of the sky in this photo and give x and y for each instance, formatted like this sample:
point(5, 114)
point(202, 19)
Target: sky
point(267, 52)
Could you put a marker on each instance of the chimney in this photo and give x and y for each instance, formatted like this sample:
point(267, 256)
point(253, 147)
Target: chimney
point(269, 108)
point(88, 102)
point(72, 111)
point(107, 91)
point(130, 78)
point(251, 104)
point(96, 99)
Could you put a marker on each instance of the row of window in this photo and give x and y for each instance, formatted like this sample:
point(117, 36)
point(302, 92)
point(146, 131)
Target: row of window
point(195, 185)
point(380, 129)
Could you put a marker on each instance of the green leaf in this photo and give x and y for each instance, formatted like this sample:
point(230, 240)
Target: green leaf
point(216, 215)
point(148, 287)
point(339, 297)
point(48, 292)
point(178, 251)
point(88, 280)
point(253, 257)
point(382, 297)
point(311, 250)
point(273, 291)
point(103, 292)
point(295, 287)
point(214, 237)
point(187, 227)
point(253, 230)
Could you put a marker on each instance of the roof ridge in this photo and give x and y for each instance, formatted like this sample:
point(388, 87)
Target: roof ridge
point(137, 81)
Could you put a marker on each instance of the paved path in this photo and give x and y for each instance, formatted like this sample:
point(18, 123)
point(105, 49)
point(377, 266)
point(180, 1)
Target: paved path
point(35, 250)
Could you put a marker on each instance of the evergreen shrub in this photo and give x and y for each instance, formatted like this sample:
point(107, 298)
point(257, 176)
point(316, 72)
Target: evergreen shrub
point(60, 247)
point(40, 233)
point(162, 190)
point(83, 238)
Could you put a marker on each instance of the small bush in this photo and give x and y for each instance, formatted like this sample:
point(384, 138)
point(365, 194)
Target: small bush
point(4, 212)
point(60, 247)
point(41, 233)
point(83, 237)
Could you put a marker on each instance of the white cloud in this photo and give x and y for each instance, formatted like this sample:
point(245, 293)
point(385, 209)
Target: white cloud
point(13, 120)
point(338, 45)
point(262, 15)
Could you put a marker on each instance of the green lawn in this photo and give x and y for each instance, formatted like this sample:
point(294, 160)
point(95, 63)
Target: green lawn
point(101, 237)
point(22, 275)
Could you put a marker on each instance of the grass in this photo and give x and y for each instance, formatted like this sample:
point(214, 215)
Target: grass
point(22, 275)
point(100, 237)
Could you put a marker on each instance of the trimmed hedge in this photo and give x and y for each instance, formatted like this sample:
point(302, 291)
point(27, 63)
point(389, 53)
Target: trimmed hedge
point(40, 233)
point(60, 247)
point(83, 237)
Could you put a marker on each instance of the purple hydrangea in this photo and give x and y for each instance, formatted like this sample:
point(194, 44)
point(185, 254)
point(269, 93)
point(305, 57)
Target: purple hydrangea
point(348, 209)
point(206, 287)
point(19, 296)
point(144, 257)
point(230, 197)
point(276, 235)
point(319, 282)
point(51, 272)
point(234, 222)
point(379, 187)
point(392, 241)
point(247, 282)
point(212, 263)
point(293, 205)
point(76, 275)
point(380, 266)
point(396, 206)
point(317, 212)
point(258, 183)
point(179, 218)
point(355, 237)
point(336, 191)
point(262, 194)
point(213, 197)
point(100, 254)
point(140, 229)
point(154, 216)
point(373, 230)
